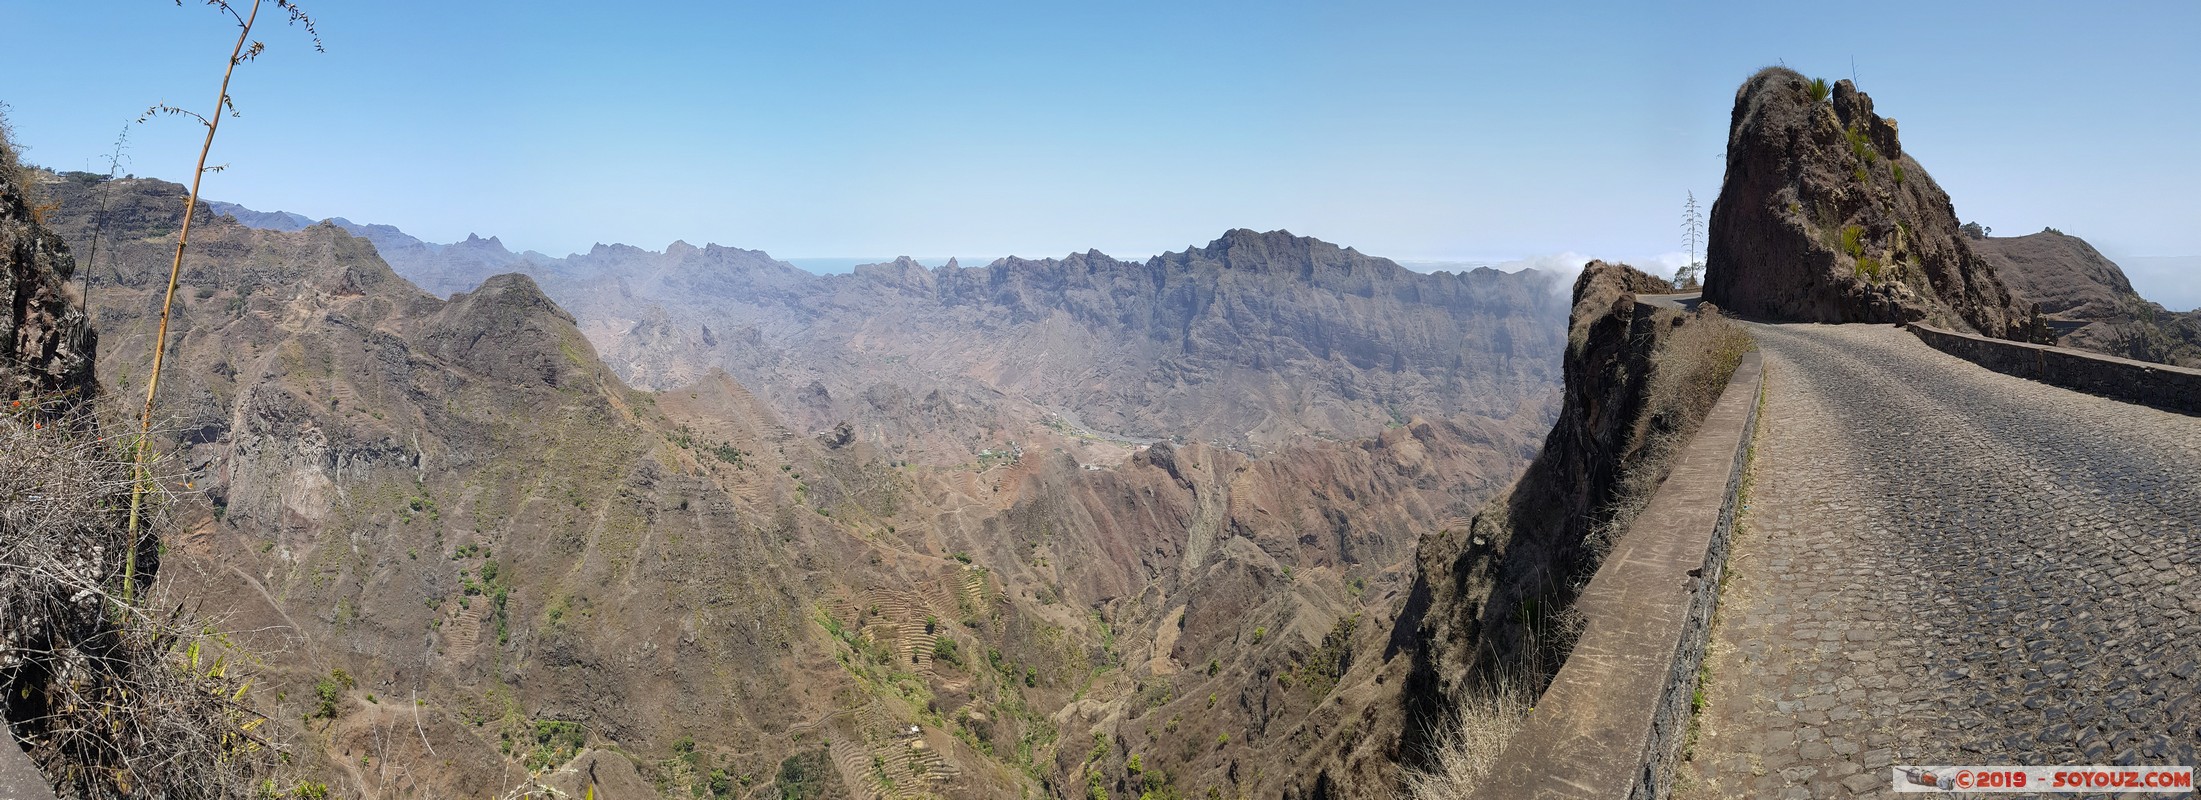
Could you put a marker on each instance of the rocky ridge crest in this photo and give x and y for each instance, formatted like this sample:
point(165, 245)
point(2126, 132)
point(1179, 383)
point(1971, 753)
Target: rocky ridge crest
point(2087, 300)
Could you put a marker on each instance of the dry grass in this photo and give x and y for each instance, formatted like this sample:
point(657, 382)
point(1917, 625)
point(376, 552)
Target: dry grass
point(1465, 750)
point(112, 699)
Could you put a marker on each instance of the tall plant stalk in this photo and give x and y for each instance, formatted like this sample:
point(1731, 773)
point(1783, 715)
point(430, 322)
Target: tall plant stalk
point(237, 55)
point(99, 223)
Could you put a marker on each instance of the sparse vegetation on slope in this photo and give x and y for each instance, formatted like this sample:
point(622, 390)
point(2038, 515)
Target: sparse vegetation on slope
point(238, 54)
point(113, 693)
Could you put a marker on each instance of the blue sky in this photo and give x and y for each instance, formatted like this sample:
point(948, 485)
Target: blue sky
point(1464, 131)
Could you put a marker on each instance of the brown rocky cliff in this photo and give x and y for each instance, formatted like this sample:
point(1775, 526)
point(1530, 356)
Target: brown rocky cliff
point(1823, 217)
point(46, 344)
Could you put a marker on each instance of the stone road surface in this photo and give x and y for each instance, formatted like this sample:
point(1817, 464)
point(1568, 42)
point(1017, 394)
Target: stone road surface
point(1947, 565)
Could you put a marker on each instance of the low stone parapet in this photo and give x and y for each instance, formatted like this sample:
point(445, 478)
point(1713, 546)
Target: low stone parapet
point(1613, 719)
point(2166, 387)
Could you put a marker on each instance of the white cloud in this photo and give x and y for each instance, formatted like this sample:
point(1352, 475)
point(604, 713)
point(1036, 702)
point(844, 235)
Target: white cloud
point(1567, 265)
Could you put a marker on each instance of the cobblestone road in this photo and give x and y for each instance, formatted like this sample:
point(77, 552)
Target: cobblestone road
point(1946, 565)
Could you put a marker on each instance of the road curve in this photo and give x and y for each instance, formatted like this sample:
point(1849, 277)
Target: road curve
point(1947, 565)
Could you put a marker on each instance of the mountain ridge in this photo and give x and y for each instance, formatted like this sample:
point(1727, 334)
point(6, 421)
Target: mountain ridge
point(664, 318)
point(2075, 285)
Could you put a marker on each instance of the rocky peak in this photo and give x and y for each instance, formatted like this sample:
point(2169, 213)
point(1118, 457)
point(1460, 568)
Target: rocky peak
point(1241, 248)
point(2087, 299)
point(1822, 217)
point(1281, 253)
point(902, 273)
point(601, 250)
point(509, 330)
point(515, 292)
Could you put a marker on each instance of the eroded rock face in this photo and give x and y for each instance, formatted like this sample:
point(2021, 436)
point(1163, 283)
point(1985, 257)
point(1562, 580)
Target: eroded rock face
point(1254, 340)
point(1823, 218)
point(46, 344)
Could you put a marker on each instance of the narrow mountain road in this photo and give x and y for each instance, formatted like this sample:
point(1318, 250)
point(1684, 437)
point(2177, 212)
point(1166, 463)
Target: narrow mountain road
point(1947, 565)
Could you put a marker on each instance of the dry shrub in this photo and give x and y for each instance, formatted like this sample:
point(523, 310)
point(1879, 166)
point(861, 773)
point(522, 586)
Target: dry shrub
point(112, 699)
point(22, 176)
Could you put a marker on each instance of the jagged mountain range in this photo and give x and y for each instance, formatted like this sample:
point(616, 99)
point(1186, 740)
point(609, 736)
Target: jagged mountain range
point(1249, 342)
point(457, 502)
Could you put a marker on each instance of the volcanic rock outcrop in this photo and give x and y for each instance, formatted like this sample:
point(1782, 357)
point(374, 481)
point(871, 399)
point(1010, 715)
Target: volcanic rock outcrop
point(46, 343)
point(1487, 609)
point(1824, 218)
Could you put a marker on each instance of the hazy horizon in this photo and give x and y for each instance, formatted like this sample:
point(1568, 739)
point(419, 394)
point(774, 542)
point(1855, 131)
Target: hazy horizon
point(1417, 131)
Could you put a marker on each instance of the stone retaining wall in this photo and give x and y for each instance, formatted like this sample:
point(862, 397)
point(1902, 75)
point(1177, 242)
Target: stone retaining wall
point(1612, 721)
point(2166, 387)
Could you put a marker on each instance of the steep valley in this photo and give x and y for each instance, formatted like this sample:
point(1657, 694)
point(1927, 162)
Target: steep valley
point(873, 535)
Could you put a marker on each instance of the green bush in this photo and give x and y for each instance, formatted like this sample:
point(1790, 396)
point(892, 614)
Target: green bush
point(556, 743)
point(1861, 146)
point(328, 691)
point(1853, 240)
point(729, 454)
point(803, 776)
point(1820, 90)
